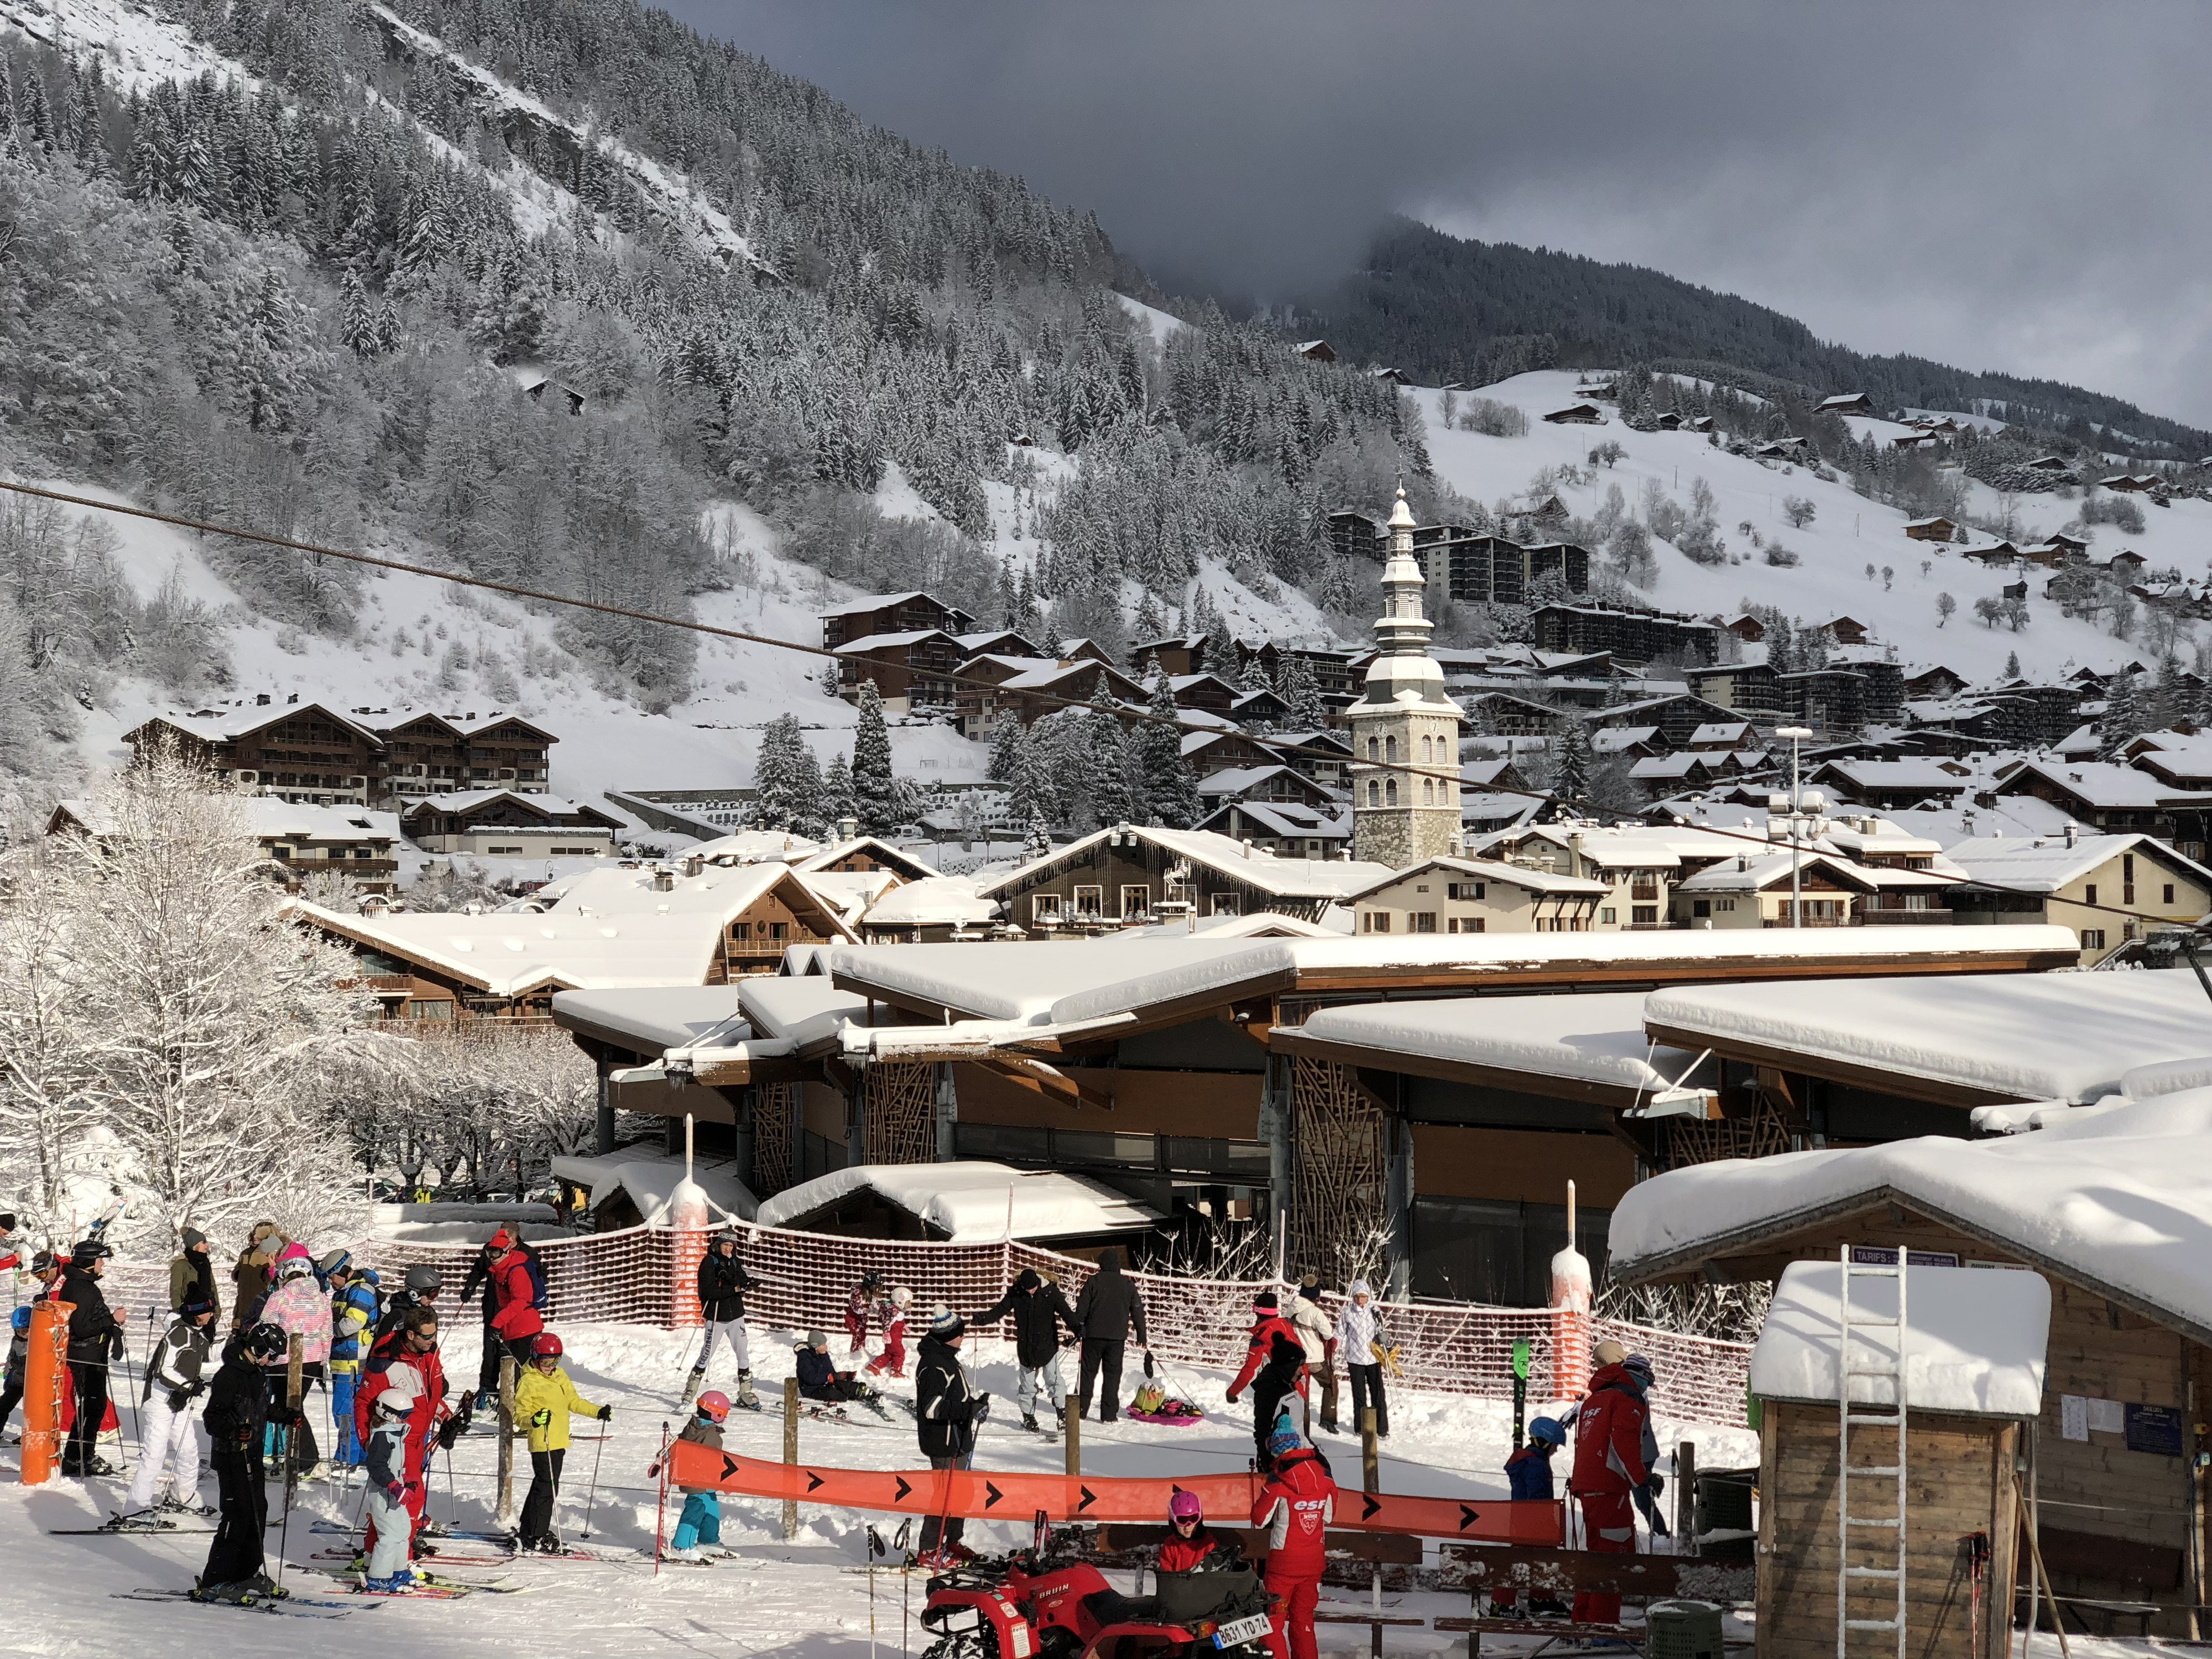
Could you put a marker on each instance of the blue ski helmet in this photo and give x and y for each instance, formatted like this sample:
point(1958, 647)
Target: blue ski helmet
point(1547, 1430)
point(20, 1320)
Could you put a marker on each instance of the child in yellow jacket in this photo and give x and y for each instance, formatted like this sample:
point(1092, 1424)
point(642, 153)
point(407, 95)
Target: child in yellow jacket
point(545, 1400)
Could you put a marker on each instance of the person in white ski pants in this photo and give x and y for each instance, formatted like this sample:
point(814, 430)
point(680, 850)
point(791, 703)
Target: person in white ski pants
point(1054, 1385)
point(733, 1331)
point(385, 1457)
point(170, 1436)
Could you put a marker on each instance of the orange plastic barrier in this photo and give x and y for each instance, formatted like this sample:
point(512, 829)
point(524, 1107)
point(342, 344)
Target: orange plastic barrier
point(980, 1494)
point(45, 1384)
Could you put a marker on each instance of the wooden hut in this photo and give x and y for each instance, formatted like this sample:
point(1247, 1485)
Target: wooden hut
point(1913, 1522)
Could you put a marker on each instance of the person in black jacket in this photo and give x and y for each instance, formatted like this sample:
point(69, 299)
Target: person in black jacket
point(1104, 1314)
point(477, 1282)
point(820, 1379)
point(947, 1413)
point(95, 1339)
point(240, 1404)
point(1039, 1309)
point(723, 1282)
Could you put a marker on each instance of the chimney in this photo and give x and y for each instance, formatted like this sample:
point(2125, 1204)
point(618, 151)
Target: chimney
point(664, 880)
point(848, 828)
point(694, 864)
point(1575, 853)
point(2073, 834)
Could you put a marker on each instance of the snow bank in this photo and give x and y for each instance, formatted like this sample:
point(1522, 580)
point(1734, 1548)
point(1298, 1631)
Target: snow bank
point(1974, 1339)
point(675, 1017)
point(2019, 1036)
point(972, 1202)
point(2119, 1199)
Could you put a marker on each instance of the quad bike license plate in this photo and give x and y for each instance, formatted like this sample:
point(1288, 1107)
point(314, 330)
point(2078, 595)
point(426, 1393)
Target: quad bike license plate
point(1253, 1629)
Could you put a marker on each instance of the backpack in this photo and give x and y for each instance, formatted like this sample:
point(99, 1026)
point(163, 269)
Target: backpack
point(541, 1298)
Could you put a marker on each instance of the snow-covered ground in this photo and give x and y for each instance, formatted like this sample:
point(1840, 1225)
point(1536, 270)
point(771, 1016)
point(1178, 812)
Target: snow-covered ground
point(1848, 534)
point(806, 1597)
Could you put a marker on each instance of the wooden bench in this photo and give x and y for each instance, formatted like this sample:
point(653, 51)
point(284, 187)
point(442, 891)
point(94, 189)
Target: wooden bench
point(1565, 1573)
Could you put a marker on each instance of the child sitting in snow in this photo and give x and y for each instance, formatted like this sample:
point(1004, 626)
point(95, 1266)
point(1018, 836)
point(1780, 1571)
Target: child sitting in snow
point(820, 1379)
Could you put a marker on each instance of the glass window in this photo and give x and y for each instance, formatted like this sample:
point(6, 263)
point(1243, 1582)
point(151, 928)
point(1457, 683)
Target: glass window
point(1136, 902)
point(1424, 922)
point(1390, 796)
point(1227, 904)
point(1089, 901)
point(1044, 906)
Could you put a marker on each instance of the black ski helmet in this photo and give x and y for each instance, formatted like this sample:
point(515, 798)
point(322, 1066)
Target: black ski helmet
point(265, 1343)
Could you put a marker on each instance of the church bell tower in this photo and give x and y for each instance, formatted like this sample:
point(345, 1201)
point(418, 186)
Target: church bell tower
point(1404, 721)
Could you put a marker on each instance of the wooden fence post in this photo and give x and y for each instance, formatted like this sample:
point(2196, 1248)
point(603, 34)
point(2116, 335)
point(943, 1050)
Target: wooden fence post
point(504, 1515)
point(790, 1453)
point(1071, 1418)
point(1371, 1480)
point(1686, 1498)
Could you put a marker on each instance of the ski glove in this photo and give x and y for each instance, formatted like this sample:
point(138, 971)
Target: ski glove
point(451, 1433)
point(1230, 1396)
point(1656, 1483)
point(179, 1398)
point(981, 1410)
point(606, 1413)
point(539, 1420)
point(396, 1490)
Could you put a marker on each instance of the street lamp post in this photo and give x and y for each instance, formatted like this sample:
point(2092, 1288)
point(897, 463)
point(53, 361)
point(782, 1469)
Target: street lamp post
point(1796, 735)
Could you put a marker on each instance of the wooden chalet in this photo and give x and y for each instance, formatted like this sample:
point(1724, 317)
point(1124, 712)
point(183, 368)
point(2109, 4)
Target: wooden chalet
point(1178, 655)
point(911, 672)
point(1027, 688)
point(1576, 415)
point(1937, 529)
point(1168, 1066)
point(911, 612)
point(1319, 350)
point(1846, 403)
point(1207, 692)
point(2107, 1453)
point(298, 842)
point(505, 823)
point(1113, 877)
point(304, 753)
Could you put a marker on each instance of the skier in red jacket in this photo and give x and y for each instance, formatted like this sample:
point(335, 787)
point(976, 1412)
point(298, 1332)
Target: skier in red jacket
point(1608, 1468)
point(1275, 1366)
point(518, 1320)
point(1294, 1509)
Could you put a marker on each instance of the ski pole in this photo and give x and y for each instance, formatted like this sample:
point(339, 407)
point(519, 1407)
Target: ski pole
point(660, 1517)
point(452, 1498)
point(875, 1548)
point(899, 1541)
point(592, 1496)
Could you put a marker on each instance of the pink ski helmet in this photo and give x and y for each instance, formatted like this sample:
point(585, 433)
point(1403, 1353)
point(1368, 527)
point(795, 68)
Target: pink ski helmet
point(1185, 1506)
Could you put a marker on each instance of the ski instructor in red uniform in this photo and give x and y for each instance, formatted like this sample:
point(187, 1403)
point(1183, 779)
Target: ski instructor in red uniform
point(1294, 1510)
point(1608, 1468)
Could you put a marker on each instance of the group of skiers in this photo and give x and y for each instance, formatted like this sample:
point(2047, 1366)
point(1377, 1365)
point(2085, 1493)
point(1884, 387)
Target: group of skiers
point(1283, 1350)
point(297, 1321)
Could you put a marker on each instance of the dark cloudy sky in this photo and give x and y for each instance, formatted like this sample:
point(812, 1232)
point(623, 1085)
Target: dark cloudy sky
point(2012, 185)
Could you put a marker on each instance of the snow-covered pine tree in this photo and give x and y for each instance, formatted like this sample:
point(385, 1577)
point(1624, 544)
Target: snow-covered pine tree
point(839, 801)
point(1008, 738)
point(875, 787)
point(1301, 691)
point(2122, 721)
point(1036, 797)
point(787, 780)
point(1573, 762)
point(1113, 796)
point(357, 321)
point(1171, 797)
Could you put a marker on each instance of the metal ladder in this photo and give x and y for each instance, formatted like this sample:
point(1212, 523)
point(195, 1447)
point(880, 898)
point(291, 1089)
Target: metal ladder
point(1852, 1363)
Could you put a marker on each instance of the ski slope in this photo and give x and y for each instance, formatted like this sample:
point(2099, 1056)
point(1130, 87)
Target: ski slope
point(1849, 533)
point(804, 1598)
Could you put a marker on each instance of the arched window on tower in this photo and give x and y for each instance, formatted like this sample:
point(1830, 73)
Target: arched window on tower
point(1428, 792)
point(1390, 793)
point(1374, 793)
point(1390, 749)
point(1374, 749)
point(1426, 754)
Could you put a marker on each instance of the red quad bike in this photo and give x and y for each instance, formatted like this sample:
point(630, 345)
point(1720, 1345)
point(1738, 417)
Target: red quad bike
point(1022, 1607)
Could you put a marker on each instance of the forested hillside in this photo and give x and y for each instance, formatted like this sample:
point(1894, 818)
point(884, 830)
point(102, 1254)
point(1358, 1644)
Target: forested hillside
point(1442, 309)
point(295, 264)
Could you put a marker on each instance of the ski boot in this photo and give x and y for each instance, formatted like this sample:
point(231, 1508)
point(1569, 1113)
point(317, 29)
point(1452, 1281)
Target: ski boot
point(238, 1593)
point(693, 1553)
point(173, 1504)
point(265, 1589)
point(746, 1398)
point(138, 1520)
point(434, 1529)
point(691, 1385)
point(1030, 1422)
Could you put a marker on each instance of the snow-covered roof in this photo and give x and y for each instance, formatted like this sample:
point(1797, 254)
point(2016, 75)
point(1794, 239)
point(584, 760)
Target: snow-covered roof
point(803, 1011)
point(1281, 878)
point(1755, 875)
point(465, 800)
point(647, 1022)
point(508, 955)
point(1974, 1338)
point(893, 642)
point(757, 844)
point(1612, 739)
point(874, 845)
point(2118, 1199)
point(2010, 1036)
point(1597, 1037)
point(269, 818)
point(1720, 731)
point(1075, 983)
point(1289, 819)
point(720, 890)
point(2046, 864)
point(972, 1202)
point(869, 603)
point(1546, 883)
point(2108, 784)
point(651, 1182)
point(933, 902)
point(1933, 775)
point(1678, 765)
point(851, 893)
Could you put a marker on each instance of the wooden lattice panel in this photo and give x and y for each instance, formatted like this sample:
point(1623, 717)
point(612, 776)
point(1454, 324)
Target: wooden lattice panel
point(901, 1108)
point(1339, 1172)
point(1702, 1140)
point(772, 1162)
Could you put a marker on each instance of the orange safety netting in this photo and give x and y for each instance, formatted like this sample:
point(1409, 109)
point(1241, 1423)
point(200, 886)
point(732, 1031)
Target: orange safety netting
point(989, 1495)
